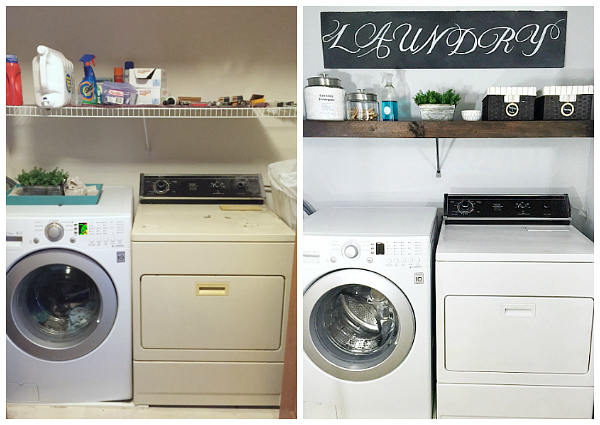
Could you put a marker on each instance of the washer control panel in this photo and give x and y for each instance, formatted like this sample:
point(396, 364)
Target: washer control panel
point(507, 207)
point(85, 234)
point(407, 253)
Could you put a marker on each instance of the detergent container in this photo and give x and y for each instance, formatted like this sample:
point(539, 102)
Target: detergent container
point(52, 78)
point(14, 90)
point(324, 99)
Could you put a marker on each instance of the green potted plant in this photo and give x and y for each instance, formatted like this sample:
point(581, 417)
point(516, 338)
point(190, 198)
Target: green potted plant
point(437, 106)
point(41, 182)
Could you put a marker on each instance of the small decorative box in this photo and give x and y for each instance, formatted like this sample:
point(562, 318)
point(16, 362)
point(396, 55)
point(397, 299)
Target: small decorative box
point(509, 104)
point(565, 103)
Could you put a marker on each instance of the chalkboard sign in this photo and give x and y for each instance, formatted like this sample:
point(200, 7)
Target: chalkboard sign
point(472, 39)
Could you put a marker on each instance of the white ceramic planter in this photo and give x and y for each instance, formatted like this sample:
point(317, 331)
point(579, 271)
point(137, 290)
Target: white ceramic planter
point(437, 112)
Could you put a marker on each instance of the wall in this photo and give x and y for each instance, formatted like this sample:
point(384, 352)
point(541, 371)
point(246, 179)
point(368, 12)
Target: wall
point(207, 51)
point(403, 171)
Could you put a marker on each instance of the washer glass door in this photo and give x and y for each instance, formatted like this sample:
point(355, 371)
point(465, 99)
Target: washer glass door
point(60, 304)
point(358, 324)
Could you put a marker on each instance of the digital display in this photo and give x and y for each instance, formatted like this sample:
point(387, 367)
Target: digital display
point(379, 248)
point(83, 229)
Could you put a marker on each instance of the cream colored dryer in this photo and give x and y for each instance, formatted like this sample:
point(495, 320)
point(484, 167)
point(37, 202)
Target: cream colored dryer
point(211, 289)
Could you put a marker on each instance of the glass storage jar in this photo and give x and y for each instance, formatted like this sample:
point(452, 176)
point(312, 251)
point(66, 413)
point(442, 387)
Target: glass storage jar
point(362, 106)
point(324, 99)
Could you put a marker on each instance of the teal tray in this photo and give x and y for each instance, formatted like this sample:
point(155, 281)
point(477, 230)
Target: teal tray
point(53, 200)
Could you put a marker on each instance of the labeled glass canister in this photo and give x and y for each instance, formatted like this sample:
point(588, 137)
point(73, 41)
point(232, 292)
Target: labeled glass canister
point(324, 99)
point(362, 106)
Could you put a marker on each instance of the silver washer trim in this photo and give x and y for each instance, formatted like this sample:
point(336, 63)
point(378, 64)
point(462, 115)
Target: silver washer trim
point(373, 280)
point(85, 343)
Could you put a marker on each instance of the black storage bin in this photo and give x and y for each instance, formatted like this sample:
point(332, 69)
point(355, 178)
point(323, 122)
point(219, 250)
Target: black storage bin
point(550, 108)
point(496, 109)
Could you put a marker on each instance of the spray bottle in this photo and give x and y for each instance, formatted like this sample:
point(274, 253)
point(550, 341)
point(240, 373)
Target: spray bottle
point(389, 100)
point(88, 88)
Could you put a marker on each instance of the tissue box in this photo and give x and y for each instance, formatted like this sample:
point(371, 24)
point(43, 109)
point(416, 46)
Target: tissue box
point(509, 104)
point(151, 96)
point(565, 103)
point(148, 78)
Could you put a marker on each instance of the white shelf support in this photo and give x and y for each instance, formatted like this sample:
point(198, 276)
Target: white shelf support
point(146, 133)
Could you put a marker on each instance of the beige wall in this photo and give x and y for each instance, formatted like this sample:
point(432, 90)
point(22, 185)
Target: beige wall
point(207, 51)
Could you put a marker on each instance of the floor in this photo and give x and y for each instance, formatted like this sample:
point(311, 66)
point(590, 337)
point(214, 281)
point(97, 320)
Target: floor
point(129, 411)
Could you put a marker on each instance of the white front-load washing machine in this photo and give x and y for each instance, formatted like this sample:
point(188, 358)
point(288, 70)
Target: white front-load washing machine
point(367, 313)
point(68, 301)
point(515, 306)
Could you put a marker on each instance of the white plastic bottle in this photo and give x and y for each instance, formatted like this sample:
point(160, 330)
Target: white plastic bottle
point(389, 100)
point(52, 78)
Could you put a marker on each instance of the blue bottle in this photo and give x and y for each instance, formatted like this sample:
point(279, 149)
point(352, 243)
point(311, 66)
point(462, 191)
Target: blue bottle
point(88, 89)
point(389, 100)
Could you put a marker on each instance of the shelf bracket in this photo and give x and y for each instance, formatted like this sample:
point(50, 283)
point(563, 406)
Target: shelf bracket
point(146, 133)
point(438, 172)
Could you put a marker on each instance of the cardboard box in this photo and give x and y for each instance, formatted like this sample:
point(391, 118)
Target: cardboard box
point(151, 96)
point(147, 78)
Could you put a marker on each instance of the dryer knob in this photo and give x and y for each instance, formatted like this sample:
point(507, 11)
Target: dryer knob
point(351, 251)
point(54, 232)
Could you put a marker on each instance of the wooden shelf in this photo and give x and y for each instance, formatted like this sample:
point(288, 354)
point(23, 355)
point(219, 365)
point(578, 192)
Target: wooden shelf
point(448, 129)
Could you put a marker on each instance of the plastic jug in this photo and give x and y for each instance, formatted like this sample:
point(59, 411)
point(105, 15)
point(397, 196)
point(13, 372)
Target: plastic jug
point(52, 78)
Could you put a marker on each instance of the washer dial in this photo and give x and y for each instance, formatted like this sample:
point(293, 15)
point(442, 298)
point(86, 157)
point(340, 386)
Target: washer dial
point(54, 232)
point(350, 250)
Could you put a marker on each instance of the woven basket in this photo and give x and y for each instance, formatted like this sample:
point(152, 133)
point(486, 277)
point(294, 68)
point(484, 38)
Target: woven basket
point(496, 109)
point(551, 108)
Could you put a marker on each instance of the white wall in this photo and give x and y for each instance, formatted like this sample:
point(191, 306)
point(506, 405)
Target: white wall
point(402, 171)
point(207, 51)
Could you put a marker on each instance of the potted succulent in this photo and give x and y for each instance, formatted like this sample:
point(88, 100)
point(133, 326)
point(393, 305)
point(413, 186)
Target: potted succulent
point(437, 106)
point(41, 182)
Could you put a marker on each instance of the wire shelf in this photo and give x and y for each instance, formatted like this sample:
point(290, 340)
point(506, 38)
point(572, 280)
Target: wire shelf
point(152, 112)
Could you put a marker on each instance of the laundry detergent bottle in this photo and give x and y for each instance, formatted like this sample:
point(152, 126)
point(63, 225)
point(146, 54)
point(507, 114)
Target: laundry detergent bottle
point(88, 89)
point(52, 78)
point(14, 90)
point(389, 100)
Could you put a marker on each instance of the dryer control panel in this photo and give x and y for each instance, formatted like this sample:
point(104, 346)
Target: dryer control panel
point(551, 208)
point(406, 253)
point(202, 189)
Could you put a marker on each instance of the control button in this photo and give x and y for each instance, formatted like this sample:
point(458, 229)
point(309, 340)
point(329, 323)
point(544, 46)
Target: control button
point(465, 207)
point(161, 186)
point(73, 240)
point(404, 260)
point(351, 251)
point(410, 260)
point(389, 260)
point(333, 259)
point(36, 240)
point(396, 260)
point(369, 260)
point(54, 232)
point(417, 260)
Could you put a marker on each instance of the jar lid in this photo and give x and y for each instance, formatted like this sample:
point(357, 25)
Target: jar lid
point(362, 95)
point(324, 80)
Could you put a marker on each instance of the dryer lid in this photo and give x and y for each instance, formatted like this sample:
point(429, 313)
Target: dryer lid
point(531, 243)
point(208, 223)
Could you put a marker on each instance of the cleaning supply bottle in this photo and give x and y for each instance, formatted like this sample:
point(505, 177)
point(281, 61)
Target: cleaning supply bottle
point(14, 91)
point(53, 79)
point(88, 88)
point(389, 100)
